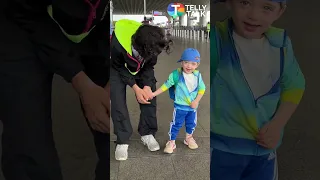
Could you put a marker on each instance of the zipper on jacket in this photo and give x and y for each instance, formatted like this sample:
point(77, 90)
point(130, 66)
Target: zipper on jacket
point(182, 80)
point(243, 76)
point(277, 82)
point(92, 14)
point(255, 100)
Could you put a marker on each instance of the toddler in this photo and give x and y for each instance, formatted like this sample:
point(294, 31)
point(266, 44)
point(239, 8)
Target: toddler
point(186, 88)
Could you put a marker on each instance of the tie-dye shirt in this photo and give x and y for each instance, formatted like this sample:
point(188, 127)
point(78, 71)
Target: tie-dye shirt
point(183, 97)
point(236, 115)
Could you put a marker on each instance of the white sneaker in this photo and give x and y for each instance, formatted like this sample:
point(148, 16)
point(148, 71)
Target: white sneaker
point(150, 142)
point(121, 153)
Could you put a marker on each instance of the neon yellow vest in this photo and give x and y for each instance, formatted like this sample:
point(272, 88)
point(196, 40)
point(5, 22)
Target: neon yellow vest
point(73, 38)
point(124, 29)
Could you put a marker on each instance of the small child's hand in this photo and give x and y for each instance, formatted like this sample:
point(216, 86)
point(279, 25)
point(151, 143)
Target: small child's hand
point(194, 104)
point(269, 135)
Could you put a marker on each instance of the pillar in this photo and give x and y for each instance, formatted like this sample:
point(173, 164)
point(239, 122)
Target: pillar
point(111, 12)
point(203, 21)
point(188, 21)
point(207, 18)
point(181, 21)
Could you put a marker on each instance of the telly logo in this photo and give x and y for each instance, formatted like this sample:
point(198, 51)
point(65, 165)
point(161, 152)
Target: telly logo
point(178, 9)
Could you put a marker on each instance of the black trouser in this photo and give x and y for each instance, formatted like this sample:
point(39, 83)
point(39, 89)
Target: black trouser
point(28, 148)
point(119, 111)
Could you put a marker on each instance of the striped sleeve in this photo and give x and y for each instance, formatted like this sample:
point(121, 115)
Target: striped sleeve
point(169, 83)
point(202, 86)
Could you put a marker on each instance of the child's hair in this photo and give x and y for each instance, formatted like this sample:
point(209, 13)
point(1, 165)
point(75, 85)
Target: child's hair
point(151, 40)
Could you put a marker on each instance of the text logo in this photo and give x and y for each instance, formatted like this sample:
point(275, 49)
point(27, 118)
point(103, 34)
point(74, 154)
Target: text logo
point(191, 9)
point(176, 10)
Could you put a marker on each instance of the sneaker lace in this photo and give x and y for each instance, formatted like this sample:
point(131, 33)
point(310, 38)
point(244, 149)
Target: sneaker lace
point(171, 144)
point(190, 139)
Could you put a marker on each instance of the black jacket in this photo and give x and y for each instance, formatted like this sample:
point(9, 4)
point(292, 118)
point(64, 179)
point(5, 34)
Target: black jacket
point(120, 57)
point(50, 44)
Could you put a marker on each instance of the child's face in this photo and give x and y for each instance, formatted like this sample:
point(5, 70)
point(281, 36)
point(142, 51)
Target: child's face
point(189, 66)
point(252, 18)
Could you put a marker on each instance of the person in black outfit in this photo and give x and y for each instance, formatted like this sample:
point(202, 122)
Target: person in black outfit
point(134, 51)
point(40, 38)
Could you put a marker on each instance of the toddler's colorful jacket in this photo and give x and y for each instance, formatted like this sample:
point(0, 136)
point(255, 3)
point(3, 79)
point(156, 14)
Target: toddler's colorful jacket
point(183, 98)
point(236, 116)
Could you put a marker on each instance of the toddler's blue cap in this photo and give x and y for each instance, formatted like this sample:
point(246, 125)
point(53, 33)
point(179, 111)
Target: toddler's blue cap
point(217, 1)
point(190, 54)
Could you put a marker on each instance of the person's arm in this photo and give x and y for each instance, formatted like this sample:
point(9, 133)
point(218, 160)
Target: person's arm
point(292, 88)
point(97, 43)
point(201, 89)
point(147, 72)
point(103, 39)
point(81, 82)
point(116, 57)
point(169, 83)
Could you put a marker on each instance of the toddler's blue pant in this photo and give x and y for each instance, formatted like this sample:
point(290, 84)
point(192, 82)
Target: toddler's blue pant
point(179, 118)
point(228, 166)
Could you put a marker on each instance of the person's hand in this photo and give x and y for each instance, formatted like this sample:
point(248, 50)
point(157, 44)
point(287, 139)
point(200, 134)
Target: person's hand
point(95, 101)
point(140, 95)
point(269, 135)
point(148, 92)
point(96, 104)
point(194, 104)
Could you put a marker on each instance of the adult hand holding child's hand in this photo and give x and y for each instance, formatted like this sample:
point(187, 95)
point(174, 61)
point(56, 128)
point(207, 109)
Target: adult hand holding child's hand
point(148, 92)
point(95, 101)
point(141, 95)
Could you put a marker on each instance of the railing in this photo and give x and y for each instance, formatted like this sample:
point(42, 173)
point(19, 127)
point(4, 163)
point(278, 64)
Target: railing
point(191, 34)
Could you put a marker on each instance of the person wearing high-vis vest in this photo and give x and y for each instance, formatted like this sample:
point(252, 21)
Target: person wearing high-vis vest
point(134, 51)
point(256, 86)
point(208, 30)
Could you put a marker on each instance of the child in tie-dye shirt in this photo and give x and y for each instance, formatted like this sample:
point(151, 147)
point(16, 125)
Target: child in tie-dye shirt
point(256, 85)
point(186, 88)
